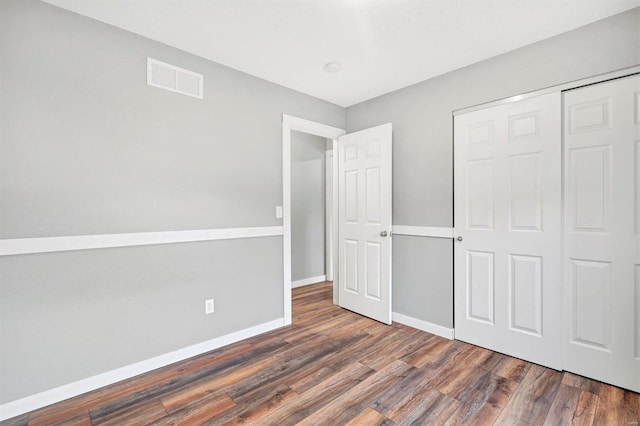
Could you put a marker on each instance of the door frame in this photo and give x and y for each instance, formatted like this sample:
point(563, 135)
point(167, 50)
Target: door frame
point(291, 123)
point(328, 215)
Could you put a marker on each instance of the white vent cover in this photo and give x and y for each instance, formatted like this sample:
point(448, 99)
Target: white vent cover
point(175, 79)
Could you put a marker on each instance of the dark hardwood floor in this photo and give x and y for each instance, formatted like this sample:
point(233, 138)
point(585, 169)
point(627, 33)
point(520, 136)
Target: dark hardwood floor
point(333, 367)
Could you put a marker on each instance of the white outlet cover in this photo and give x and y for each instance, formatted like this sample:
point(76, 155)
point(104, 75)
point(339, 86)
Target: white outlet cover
point(278, 212)
point(208, 306)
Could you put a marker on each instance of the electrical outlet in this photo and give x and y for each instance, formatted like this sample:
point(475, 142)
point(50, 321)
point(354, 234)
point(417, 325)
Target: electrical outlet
point(278, 212)
point(208, 306)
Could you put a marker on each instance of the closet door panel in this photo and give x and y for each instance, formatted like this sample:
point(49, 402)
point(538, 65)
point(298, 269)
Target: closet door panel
point(508, 280)
point(601, 179)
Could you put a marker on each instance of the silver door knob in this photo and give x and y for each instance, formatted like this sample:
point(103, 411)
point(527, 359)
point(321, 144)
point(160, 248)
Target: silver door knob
point(459, 238)
point(383, 233)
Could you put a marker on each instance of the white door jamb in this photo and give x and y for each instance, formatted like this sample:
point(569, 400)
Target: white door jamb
point(289, 124)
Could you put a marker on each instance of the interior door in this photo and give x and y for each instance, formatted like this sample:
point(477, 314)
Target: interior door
point(364, 222)
point(602, 226)
point(507, 194)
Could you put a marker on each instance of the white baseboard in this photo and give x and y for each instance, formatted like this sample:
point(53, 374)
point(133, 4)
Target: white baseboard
point(429, 327)
point(51, 396)
point(308, 281)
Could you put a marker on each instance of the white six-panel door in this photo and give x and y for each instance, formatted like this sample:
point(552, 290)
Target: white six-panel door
point(602, 224)
point(364, 222)
point(508, 280)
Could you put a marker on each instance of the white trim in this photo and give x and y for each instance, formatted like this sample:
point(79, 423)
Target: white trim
point(308, 281)
point(423, 231)
point(328, 214)
point(51, 396)
point(10, 247)
point(336, 248)
point(286, 219)
point(600, 78)
point(311, 127)
point(429, 327)
point(291, 123)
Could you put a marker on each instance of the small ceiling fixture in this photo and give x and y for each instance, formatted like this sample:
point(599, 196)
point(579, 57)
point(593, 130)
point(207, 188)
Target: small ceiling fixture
point(333, 66)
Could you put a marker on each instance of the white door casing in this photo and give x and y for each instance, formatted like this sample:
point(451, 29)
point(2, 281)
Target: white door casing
point(602, 227)
point(364, 222)
point(507, 194)
point(328, 223)
point(289, 124)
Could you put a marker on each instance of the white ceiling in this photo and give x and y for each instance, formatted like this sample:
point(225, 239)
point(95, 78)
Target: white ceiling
point(383, 45)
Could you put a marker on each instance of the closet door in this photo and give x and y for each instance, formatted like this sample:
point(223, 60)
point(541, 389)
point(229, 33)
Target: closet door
point(507, 186)
point(602, 223)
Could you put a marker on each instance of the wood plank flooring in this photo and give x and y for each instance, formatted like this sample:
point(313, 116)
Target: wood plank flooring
point(333, 367)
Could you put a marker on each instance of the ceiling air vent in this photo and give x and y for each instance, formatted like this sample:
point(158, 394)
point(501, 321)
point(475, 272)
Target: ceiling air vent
point(175, 79)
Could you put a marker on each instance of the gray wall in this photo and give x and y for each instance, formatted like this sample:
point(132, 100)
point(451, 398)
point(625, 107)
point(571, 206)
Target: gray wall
point(423, 141)
point(86, 147)
point(71, 315)
point(307, 206)
point(89, 148)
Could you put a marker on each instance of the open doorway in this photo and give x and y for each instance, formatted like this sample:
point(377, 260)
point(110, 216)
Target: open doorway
point(362, 179)
point(310, 209)
point(314, 135)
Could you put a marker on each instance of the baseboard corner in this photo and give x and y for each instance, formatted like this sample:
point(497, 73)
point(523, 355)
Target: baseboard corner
point(308, 281)
point(419, 324)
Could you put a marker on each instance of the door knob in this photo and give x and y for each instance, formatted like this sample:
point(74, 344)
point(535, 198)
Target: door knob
point(459, 238)
point(383, 233)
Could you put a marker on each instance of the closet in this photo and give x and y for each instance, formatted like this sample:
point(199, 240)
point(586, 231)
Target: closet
point(547, 213)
